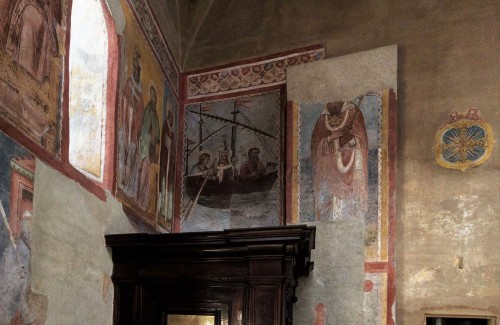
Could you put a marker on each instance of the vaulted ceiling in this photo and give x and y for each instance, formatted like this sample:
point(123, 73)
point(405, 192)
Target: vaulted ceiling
point(180, 22)
point(206, 33)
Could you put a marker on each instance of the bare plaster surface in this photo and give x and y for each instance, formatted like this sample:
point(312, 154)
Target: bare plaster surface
point(344, 77)
point(338, 275)
point(70, 262)
point(118, 15)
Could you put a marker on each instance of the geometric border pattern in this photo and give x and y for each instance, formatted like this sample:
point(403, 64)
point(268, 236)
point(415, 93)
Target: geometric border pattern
point(248, 76)
point(155, 38)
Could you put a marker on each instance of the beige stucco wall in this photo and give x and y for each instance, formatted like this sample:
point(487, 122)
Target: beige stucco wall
point(70, 262)
point(449, 59)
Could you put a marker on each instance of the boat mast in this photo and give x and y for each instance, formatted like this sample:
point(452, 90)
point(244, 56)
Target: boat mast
point(187, 155)
point(233, 131)
point(200, 129)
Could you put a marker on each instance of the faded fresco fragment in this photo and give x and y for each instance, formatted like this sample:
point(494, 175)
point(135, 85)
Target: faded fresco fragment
point(231, 163)
point(140, 104)
point(31, 56)
point(18, 305)
point(320, 313)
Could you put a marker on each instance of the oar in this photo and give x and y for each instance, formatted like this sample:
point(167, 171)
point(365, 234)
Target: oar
point(201, 189)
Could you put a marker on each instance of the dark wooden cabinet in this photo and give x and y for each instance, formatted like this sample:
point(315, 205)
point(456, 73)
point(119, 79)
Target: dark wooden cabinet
point(241, 276)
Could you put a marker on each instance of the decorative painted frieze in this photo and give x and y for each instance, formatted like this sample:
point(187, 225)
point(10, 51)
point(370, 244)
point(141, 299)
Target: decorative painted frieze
point(248, 76)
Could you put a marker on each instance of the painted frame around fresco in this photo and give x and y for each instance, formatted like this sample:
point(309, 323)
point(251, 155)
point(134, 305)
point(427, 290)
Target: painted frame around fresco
point(225, 200)
point(239, 82)
point(378, 112)
point(332, 88)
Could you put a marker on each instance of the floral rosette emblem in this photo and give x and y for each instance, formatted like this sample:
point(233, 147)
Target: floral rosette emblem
point(466, 141)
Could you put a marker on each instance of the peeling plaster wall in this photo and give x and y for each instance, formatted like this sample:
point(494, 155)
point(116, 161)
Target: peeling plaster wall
point(70, 263)
point(449, 59)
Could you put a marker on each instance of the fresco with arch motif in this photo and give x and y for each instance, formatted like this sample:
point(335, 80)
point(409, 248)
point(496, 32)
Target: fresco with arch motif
point(32, 38)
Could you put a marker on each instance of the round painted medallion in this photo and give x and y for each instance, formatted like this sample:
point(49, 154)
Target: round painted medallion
point(464, 142)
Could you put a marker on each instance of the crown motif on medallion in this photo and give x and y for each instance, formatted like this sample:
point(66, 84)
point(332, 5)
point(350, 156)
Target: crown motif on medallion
point(472, 114)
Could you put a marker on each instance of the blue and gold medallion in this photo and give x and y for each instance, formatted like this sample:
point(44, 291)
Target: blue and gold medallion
point(464, 142)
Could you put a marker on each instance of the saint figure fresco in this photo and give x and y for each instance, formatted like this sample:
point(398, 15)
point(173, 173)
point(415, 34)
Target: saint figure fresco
point(146, 105)
point(149, 141)
point(339, 152)
point(131, 107)
point(145, 155)
point(167, 156)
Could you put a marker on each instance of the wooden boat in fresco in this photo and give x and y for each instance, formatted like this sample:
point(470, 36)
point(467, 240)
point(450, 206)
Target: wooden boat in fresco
point(224, 190)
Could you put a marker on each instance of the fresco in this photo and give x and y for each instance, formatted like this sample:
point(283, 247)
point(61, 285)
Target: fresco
point(343, 170)
point(140, 108)
point(152, 30)
point(170, 113)
point(339, 158)
point(31, 58)
point(232, 163)
point(18, 304)
point(341, 119)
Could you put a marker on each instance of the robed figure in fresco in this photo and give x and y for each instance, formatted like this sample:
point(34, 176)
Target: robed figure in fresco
point(339, 149)
point(147, 158)
point(252, 168)
point(167, 166)
point(15, 277)
point(130, 110)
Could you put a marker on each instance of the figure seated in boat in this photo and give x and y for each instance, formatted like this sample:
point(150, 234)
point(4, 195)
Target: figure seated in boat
point(226, 171)
point(252, 168)
point(201, 167)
